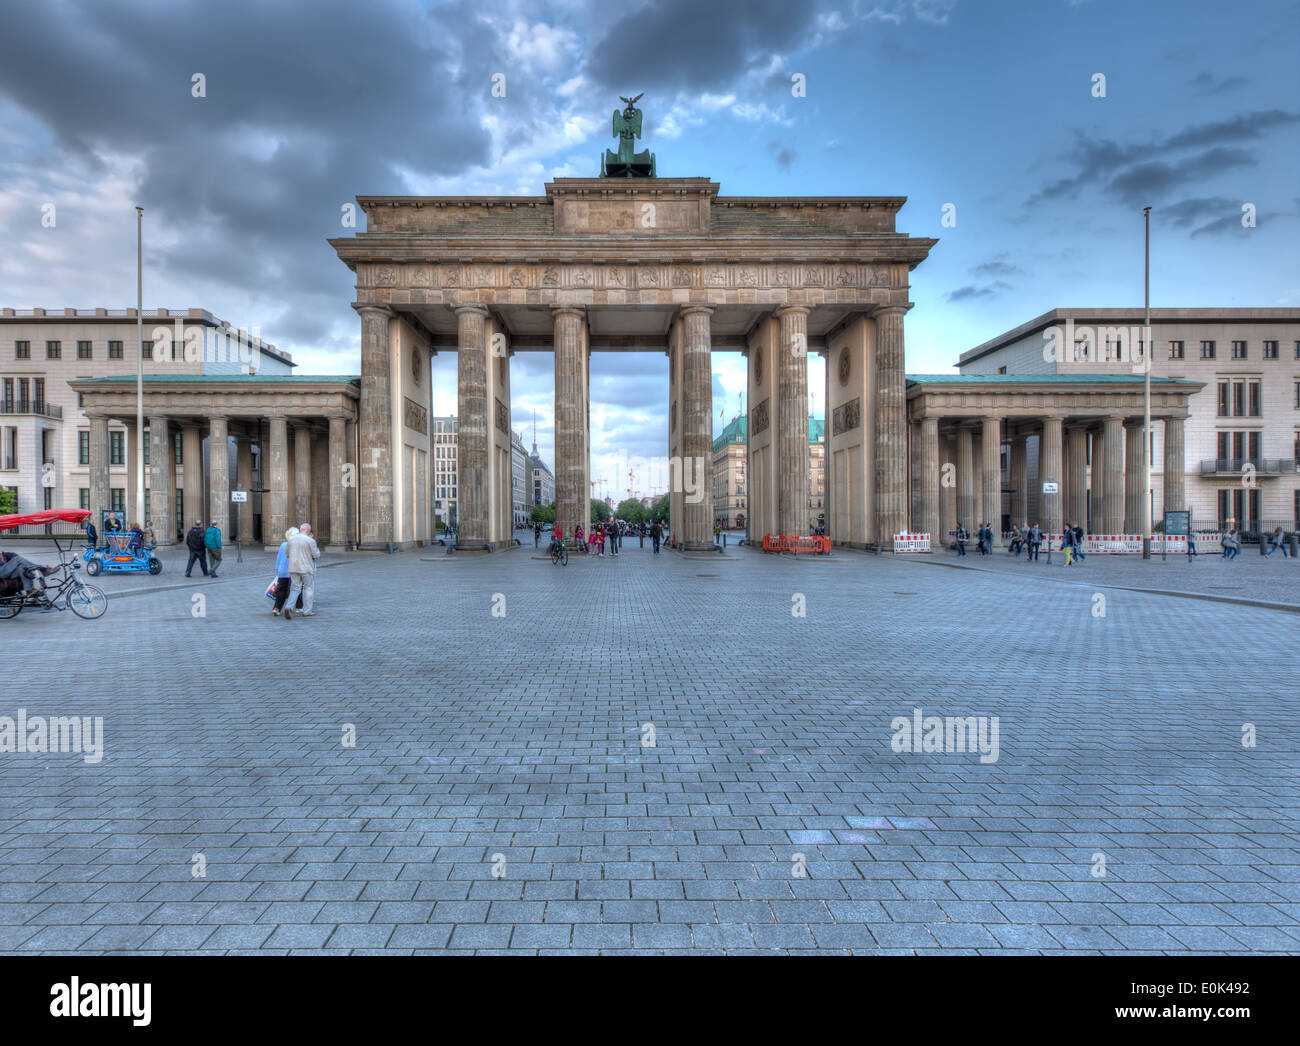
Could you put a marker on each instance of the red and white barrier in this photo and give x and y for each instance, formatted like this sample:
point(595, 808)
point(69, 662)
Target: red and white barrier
point(911, 542)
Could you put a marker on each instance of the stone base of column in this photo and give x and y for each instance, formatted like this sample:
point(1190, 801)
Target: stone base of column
point(699, 546)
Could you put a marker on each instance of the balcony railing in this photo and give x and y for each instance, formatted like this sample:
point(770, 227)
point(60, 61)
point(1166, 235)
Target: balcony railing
point(46, 410)
point(1262, 466)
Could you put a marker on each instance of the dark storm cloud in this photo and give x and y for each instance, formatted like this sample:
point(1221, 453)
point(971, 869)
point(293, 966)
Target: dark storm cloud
point(693, 46)
point(1137, 171)
point(307, 104)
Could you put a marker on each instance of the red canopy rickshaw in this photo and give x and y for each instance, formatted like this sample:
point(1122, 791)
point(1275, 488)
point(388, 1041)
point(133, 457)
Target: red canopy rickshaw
point(62, 589)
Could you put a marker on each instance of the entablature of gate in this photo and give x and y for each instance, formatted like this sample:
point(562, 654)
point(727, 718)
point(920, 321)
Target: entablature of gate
point(1073, 399)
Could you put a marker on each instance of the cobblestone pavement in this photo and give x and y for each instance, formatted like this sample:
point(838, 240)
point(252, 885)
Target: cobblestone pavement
point(514, 744)
point(1271, 579)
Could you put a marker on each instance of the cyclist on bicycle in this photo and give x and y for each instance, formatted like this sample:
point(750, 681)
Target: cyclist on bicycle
point(557, 540)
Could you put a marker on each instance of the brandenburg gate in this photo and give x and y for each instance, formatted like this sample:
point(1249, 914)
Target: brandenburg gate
point(631, 262)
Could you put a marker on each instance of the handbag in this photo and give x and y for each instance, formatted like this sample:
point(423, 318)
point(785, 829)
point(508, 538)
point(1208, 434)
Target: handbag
point(270, 592)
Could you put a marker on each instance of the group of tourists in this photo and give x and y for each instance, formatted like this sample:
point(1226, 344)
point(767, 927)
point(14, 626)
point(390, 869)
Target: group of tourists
point(611, 533)
point(204, 544)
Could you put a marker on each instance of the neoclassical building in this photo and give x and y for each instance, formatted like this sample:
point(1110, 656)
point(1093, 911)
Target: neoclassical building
point(637, 264)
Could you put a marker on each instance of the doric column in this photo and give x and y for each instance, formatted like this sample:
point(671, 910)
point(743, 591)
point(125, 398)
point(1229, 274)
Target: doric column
point(276, 519)
point(302, 475)
point(697, 427)
point(1113, 482)
point(244, 482)
point(1019, 481)
point(1050, 469)
point(976, 477)
point(1175, 466)
point(1075, 487)
point(162, 462)
point(572, 495)
point(219, 474)
point(1132, 478)
point(339, 536)
point(192, 462)
point(965, 479)
point(99, 488)
point(947, 491)
point(473, 430)
point(891, 426)
point(376, 464)
point(992, 494)
point(792, 421)
point(929, 519)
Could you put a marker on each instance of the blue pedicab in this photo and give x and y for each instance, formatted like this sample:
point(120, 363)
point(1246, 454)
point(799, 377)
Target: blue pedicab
point(116, 556)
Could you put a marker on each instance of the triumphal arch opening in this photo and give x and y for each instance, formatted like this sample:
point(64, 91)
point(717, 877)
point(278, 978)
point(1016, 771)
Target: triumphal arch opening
point(633, 262)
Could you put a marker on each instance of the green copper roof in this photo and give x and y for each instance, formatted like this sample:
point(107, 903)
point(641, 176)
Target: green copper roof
point(737, 431)
point(1039, 379)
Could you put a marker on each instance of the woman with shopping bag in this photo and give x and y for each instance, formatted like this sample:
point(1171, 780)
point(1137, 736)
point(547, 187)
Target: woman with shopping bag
point(279, 590)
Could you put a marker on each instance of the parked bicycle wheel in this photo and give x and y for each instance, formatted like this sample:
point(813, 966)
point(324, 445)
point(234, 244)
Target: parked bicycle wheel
point(86, 600)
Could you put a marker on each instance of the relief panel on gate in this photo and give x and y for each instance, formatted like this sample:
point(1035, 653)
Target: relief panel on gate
point(761, 418)
point(846, 417)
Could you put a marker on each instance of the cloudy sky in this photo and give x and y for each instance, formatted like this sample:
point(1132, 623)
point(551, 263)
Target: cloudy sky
point(990, 106)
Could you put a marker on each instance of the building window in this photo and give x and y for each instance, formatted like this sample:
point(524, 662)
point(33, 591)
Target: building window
point(83, 447)
point(1176, 350)
point(1081, 350)
point(117, 499)
point(1256, 406)
point(1002, 370)
point(81, 400)
point(116, 451)
point(1297, 394)
point(1270, 350)
point(9, 459)
point(114, 350)
point(53, 350)
point(38, 395)
point(1207, 350)
point(178, 453)
point(146, 350)
point(1223, 398)
point(1238, 399)
point(147, 441)
point(85, 350)
point(1238, 350)
point(23, 350)
point(8, 396)
point(83, 498)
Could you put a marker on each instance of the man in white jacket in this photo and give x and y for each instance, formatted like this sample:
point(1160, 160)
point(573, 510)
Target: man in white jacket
point(303, 552)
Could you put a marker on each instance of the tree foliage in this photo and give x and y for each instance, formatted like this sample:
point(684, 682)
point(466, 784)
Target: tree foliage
point(599, 511)
point(543, 513)
point(630, 509)
point(660, 509)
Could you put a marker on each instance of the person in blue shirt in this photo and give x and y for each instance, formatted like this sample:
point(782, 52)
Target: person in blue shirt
point(282, 579)
point(212, 542)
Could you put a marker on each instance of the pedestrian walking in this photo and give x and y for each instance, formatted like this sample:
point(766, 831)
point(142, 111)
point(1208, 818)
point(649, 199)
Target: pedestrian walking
point(1078, 542)
point(148, 533)
point(577, 536)
point(282, 578)
point(194, 541)
point(212, 543)
point(303, 552)
point(1035, 540)
point(1231, 545)
point(1276, 543)
point(537, 534)
point(656, 535)
point(613, 539)
point(961, 536)
point(1067, 546)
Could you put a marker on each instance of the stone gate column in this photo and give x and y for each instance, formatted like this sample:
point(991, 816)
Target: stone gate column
point(947, 490)
point(891, 426)
point(572, 495)
point(339, 536)
point(792, 421)
point(1133, 492)
point(192, 462)
point(473, 430)
point(1075, 487)
point(1019, 507)
point(965, 478)
point(697, 427)
point(1050, 469)
point(976, 478)
point(99, 484)
point(1175, 466)
point(1113, 480)
point(375, 476)
point(929, 520)
point(992, 476)
point(219, 475)
point(302, 503)
point(276, 500)
point(161, 474)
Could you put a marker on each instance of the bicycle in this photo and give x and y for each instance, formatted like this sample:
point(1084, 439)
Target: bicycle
point(559, 554)
point(62, 590)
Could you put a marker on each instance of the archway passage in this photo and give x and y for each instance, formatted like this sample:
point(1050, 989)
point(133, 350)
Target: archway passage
point(666, 266)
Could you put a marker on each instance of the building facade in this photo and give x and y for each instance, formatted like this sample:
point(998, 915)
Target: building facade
point(519, 475)
point(1241, 438)
point(542, 482)
point(730, 457)
point(443, 478)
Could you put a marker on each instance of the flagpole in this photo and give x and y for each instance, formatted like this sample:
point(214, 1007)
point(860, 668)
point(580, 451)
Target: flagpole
point(1147, 357)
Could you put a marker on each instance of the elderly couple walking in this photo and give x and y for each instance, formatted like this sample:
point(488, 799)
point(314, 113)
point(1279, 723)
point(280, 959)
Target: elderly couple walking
point(295, 568)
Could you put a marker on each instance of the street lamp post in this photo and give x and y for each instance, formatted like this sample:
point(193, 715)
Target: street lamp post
point(139, 376)
point(1148, 353)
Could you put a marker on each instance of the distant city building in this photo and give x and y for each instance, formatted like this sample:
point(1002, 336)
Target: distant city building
point(730, 455)
point(542, 480)
point(519, 480)
point(444, 470)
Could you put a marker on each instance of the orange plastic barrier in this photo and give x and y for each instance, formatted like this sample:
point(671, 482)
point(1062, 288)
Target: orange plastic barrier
point(788, 543)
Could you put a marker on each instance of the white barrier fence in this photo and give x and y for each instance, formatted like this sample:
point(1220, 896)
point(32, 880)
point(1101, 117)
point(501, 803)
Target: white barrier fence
point(911, 542)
